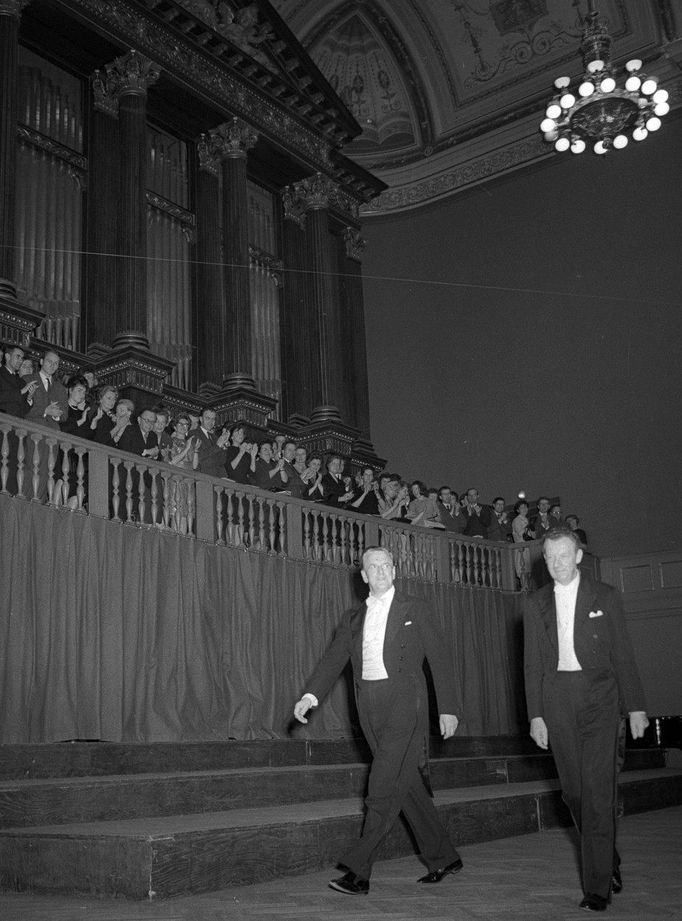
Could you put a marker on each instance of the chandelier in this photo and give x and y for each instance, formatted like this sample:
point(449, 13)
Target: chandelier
point(601, 113)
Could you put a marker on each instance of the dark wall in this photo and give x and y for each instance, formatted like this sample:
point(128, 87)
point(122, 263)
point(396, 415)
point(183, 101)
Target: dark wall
point(528, 335)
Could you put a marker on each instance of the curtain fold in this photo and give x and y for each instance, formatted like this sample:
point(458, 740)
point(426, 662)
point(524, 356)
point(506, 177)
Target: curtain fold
point(121, 633)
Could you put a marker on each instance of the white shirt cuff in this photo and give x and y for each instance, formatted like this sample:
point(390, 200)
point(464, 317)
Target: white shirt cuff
point(311, 697)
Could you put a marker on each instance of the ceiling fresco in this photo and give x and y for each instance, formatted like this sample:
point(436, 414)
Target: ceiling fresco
point(449, 93)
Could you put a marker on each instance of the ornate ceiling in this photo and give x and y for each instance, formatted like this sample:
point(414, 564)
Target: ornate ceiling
point(451, 92)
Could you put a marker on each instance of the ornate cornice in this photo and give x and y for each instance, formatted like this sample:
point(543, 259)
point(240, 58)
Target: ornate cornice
point(203, 73)
point(13, 7)
point(258, 258)
point(76, 165)
point(129, 75)
point(232, 140)
point(185, 218)
point(355, 244)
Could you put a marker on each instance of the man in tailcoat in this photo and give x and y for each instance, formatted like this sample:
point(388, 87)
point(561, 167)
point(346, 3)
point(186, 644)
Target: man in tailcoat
point(581, 678)
point(387, 640)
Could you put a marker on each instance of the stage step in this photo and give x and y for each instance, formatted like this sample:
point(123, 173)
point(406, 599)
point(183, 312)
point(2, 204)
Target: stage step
point(63, 800)
point(170, 855)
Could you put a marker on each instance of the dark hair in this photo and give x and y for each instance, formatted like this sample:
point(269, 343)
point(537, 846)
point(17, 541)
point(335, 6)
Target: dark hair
point(76, 381)
point(498, 499)
point(558, 533)
point(422, 486)
point(556, 505)
point(542, 499)
point(517, 505)
point(574, 517)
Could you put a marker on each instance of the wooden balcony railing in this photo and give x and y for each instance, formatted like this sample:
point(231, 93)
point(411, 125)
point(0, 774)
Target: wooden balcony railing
point(43, 465)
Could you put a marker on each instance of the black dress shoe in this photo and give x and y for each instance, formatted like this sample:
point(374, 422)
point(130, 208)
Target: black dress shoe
point(593, 902)
point(616, 881)
point(351, 884)
point(435, 876)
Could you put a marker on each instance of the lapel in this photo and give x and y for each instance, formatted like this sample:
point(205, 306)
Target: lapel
point(548, 615)
point(584, 603)
point(395, 620)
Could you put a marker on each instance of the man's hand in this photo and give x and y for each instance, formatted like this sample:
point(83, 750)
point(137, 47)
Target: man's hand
point(638, 723)
point(301, 708)
point(538, 731)
point(448, 725)
point(54, 410)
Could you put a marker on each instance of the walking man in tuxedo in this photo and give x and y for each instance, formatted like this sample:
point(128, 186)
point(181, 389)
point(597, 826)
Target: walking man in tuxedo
point(387, 639)
point(581, 677)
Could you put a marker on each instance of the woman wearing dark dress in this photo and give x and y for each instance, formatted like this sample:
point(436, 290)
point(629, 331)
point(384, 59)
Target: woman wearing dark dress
point(75, 422)
point(268, 473)
point(240, 457)
point(103, 419)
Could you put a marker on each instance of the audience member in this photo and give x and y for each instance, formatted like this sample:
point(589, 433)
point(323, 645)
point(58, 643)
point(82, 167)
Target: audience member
point(572, 521)
point(15, 393)
point(477, 516)
point(449, 510)
point(365, 499)
point(267, 473)
point(123, 419)
point(75, 422)
point(555, 516)
point(422, 510)
point(103, 418)
point(333, 486)
point(240, 456)
point(313, 479)
point(212, 451)
point(396, 500)
point(500, 526)
point(49, 397)
point(141, 439)
point(162, 433)
point(541, 524)
point(521, 530)
point(295, 485)
point(180, 453)
point(27, 370)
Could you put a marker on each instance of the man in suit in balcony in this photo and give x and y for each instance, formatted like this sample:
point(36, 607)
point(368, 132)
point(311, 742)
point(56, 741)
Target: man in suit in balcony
point(581, 677)
point(48, 406)
point(212, 449)
point(335, 492)
point(476, 516)
point(450, 511)
point(15, 396)
point(387, 639)
point(141, 439)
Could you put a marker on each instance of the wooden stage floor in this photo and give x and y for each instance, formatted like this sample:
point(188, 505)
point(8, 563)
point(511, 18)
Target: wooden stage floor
point(526, 878)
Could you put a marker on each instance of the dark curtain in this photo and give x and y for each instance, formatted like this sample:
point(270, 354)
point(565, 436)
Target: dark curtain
point(123, 633)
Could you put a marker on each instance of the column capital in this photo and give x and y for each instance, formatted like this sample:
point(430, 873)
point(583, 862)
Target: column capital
point(208, 161)
point(316, 192)
point(231, 140)
point(13, 7)
point(129, 75)
point(355, 243)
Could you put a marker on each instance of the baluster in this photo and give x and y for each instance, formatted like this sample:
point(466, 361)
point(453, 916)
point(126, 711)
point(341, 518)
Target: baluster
point(35, 438)
point(51, 460)
point(261, 524)
point(342, 528)
point(283, 511)
point(141, 492)
point(220, 540)
point(306, 534)
point(80, 479)
point(166, 499)
point(325, 538)
point(4, 466)
point(191, 506)
point(272, 517)
point(21, 462)
point(63, 482)
point(155, 497)
point(115, 484)
point(240, 517)
point(128, 467)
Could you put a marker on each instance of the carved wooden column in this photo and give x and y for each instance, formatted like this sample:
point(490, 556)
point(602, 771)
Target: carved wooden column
point(300, 335)
point(10, 14)
point(124, 90)
point(230, 142)
point(330, 401)
point(353, 324)
point(211, 319)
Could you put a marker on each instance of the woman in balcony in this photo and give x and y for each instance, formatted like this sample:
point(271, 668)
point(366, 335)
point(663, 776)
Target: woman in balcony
point(182, 452)
point(75, 422)
point(103, 419)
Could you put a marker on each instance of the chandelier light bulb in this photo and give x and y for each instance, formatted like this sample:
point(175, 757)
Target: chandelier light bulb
point(578, 146)
point(595, 66)
point(607, 85)
point(640, 133)
point(600, 147)
point(660, 96)
point(562, 144)
point(633, 83)
point(553, 110)
point(662, 108)
point(649, 86)
point(654, 123)
point(551, 136)
point(547, 124)
point(561, 83)
point(620, 141)
point(633, 65)
point(567, 100)
point(586, 88)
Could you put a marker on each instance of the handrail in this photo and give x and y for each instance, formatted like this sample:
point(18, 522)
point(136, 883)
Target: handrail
point(41, 464)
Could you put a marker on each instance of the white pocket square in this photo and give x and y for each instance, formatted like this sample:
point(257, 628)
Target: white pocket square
point(407, 623)
point(596, 613)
